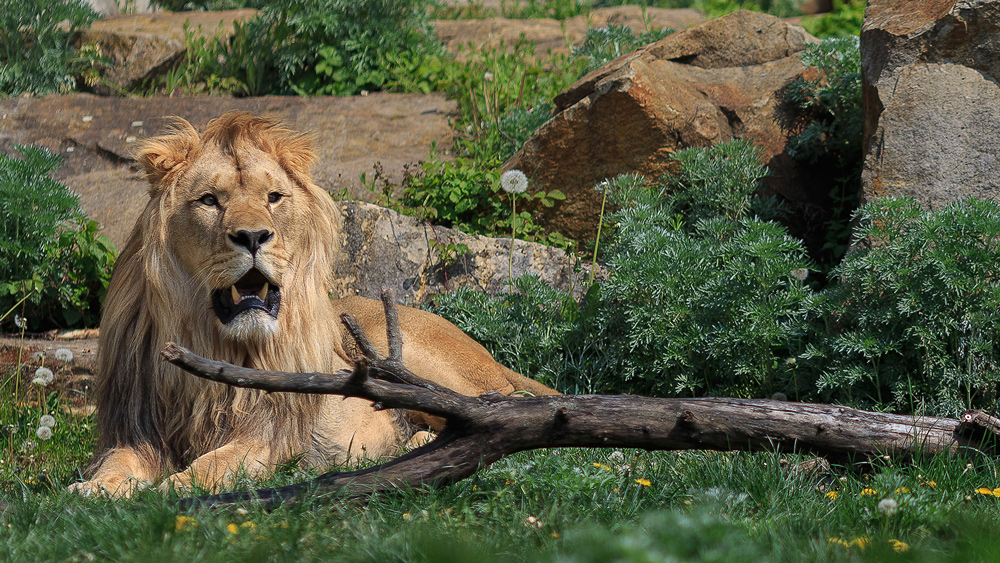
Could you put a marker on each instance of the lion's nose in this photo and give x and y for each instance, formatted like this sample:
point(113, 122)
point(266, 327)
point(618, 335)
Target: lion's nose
point(251, 240)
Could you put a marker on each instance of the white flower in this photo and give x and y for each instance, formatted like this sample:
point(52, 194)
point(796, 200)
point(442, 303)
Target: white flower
point(64, 355)
point(888, 506)
point(44, 375)
point(514, 181)
point(616, 456)
point(47, 420)
point(800, 273)
point(43, 432)
point(488, 76)
point(38, 356)
point(20, 322)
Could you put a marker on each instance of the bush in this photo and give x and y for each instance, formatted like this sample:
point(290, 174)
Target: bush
point(829, 106)
point(716, 306)
point(604, 44)
point(49, 251)
point(914, 321)
point(36, 51)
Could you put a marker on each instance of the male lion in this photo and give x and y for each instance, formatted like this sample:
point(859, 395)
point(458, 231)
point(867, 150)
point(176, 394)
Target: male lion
point(232, 259)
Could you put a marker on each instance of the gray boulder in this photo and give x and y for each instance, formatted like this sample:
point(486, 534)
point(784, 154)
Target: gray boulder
point(932, 100)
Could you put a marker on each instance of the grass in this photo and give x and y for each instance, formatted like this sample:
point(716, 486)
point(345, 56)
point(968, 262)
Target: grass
point(559, 505)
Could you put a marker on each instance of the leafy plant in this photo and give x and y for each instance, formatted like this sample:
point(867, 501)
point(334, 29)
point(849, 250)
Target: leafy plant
point(829, 106)
point(36, 45)
point(604, 44)
point(914, 317)
point(844, 21)
point(49, 251)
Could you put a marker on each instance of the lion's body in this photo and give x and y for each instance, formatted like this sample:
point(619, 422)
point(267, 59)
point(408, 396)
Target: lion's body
point(231, 258)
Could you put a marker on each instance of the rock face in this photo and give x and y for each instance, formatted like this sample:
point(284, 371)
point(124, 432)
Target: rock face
point(932, 100)
point(554, 35)
point(383, 249)
point(141, 46)
point(710, 83)
point(94, 135)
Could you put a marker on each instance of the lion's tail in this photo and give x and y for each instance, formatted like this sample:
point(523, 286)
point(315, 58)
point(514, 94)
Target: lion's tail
point(522, 383)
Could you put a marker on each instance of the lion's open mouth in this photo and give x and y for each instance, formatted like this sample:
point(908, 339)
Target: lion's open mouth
point(252, 291)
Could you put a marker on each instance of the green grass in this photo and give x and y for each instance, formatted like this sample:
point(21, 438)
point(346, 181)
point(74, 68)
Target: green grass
point(560, 505)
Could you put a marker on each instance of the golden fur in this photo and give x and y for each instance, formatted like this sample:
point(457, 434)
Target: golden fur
point(231, 209)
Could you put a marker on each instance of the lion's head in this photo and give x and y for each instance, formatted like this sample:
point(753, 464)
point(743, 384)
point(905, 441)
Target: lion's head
point(231, 257)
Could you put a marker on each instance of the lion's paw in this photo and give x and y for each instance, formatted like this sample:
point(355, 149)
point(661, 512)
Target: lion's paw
point(124, 488)
point(178, 482)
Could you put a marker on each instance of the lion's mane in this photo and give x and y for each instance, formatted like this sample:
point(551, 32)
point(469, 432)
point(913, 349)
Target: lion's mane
point(148, 404)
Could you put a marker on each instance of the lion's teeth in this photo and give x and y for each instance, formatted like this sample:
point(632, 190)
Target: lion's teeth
point(263, 292)
point(236, 294)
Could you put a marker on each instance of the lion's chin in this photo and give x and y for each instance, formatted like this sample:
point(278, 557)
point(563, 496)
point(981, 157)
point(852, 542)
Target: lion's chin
point(250, 326)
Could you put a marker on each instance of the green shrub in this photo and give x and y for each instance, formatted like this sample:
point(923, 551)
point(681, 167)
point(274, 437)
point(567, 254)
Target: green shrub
point(604, 44)
point(336, 47)
point(829, 106)
point(36, 50)
point(844, 21)
point(914, 319)
point(49, 251)
point(714, 306)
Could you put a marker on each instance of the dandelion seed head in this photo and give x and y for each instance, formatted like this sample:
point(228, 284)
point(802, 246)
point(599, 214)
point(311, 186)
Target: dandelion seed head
point(38, 356)
point(800, 273)
point(44, 375)
point(64, 355)
point(888, 506)
point(514, 181)
point(616, 456)
point(20, 322)
point(43, 432)
point(47, 420)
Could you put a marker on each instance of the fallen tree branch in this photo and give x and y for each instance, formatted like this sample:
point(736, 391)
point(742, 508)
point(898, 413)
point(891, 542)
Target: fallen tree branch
point(482, 430)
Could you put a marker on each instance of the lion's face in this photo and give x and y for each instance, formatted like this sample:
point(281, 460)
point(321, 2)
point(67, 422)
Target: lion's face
point(236, 218)
point(232, 228)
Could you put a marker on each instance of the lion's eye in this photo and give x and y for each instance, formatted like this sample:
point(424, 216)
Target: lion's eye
point(209, 200)
point(274, 197)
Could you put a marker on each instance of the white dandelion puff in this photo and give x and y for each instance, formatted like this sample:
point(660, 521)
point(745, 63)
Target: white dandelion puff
point(43, 432)
point(514, 182)
point(47, 420)
point(800, 273)
point(44, 375)
point(38, 356)
point(888, 506)
point(64, 355)
point(20, 322)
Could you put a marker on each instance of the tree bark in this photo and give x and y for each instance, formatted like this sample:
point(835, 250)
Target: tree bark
point(482, 430)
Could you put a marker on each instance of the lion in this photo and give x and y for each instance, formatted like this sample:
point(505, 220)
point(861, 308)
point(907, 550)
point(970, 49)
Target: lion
point(232, 258)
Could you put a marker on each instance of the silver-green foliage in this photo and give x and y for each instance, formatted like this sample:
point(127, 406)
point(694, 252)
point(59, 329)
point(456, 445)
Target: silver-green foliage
point(714, 307)
point(604, 44)
point(914, 320)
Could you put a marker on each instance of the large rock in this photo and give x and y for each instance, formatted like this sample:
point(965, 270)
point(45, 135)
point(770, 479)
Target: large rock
point(94, 135)
point(383, 249)
point(932, 100)
point(710, 83)
point(142, 46)
point(556, 36)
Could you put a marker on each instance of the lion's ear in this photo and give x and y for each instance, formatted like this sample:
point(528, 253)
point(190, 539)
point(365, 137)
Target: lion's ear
point(166, 153)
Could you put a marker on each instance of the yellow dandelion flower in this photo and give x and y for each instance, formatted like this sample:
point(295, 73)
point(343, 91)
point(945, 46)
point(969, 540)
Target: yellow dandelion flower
point(832, 495)
point(555, 535)
point(233, 529)
point(902, 491)
point(899, 546)
point(861, 542)
point(931, 484)
point(995, 492)
point(249, 524)
point(839, 541)
point(984, 491)
point(644, 482)
point(182, 522)
point(868, 491)
point(601, 466)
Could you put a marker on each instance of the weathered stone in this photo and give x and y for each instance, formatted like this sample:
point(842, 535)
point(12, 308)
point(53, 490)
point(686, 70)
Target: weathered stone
point(142, 46)
point(554, 35)
point(932, 100)
point(384, 249)
point(713, 82)
point(94, 135)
